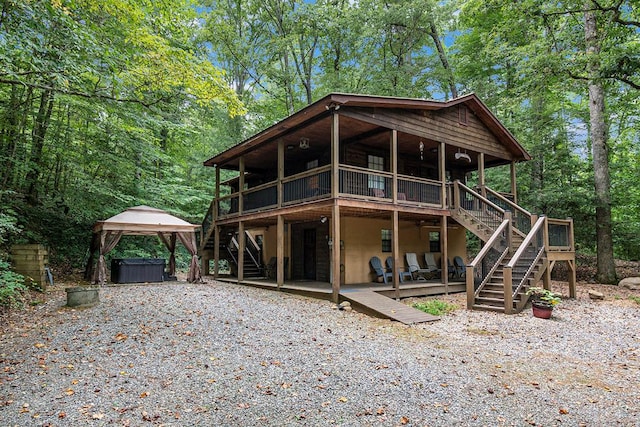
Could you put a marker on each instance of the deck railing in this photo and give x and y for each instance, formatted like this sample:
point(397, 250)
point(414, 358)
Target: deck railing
point(521, 217)
point(480, 270)
point(419, 190)
point(364, 182)
point(560, 234)
point(262, 197)
point(309, 185)
point(482, 209)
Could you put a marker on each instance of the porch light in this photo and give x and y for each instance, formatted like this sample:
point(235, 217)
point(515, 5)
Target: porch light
point(304, 143)
point(421, 146)
point(323, 219)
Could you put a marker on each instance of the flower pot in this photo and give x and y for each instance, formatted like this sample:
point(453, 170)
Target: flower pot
point(541, 311)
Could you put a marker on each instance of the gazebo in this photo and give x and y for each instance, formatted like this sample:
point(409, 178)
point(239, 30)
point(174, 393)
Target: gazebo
point(141, 221)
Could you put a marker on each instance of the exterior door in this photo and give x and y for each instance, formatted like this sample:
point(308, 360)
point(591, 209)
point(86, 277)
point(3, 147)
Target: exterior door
point(309, 253)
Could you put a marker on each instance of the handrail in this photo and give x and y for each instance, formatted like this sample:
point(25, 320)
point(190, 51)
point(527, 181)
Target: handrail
point(492, 244)
point(527, 240)
point(514, 206)
point(310, 172)
point(480, 197)
point(365, 170)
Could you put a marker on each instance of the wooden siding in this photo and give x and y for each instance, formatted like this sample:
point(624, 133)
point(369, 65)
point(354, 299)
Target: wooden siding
point(436, 126)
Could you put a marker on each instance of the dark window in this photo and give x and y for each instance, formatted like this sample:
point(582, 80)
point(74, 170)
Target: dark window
point(386, 240)
point(434, 241)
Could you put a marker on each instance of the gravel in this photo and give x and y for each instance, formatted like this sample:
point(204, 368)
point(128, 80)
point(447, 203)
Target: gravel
point(221, 354)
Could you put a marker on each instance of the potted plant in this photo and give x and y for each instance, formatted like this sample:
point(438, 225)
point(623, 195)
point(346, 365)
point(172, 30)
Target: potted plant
point(542, 301)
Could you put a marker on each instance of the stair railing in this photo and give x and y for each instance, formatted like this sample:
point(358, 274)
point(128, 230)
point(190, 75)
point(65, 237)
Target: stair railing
point(251, 248)
point(206, 224)
point(518, 270)
point(481, 208)
point(521, 217)
point(480, 270)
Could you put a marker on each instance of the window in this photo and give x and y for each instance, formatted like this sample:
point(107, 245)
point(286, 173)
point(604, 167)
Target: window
point(462, 114)
point(376, 163)
point(386, 240)
point(312, 164)
point(434, 241)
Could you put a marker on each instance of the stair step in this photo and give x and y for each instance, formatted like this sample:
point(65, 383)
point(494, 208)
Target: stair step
point(488, 308)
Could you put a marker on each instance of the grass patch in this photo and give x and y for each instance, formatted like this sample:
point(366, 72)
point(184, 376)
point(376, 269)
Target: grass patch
point(635, 299)
point(435, 307)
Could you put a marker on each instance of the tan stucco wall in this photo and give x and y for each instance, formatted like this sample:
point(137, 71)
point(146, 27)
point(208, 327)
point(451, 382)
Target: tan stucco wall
point(362, 240)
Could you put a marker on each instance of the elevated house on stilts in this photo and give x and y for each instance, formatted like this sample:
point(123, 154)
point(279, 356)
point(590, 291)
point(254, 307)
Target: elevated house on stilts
point(353, 177)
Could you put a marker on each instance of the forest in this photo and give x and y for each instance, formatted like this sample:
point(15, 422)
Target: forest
point(111, 104)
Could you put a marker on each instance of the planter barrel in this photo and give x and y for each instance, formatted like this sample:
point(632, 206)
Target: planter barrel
point(82, 297)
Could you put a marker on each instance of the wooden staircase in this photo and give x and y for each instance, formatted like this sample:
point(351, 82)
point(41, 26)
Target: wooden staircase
point(513, 257)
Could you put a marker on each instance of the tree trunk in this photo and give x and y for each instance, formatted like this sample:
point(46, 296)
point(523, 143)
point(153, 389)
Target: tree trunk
point(606, 269)
point(433, 32)
point(38, 135)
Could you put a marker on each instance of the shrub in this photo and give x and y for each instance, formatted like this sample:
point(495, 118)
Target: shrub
point(12, 287)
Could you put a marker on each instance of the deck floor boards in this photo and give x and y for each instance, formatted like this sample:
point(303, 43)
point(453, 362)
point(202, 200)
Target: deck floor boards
point(388, 307)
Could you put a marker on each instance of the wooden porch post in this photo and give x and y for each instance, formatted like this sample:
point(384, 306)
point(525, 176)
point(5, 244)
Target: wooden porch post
point(514, 186)
point(241, 247)
point(335, 253)
point(241, 186)
point(280, 273)
point(216, 252)
point(394, 166)
point(572, 263)
point(395, 251)
point(280, 171)
point(335, 155)
point(481, 179)
point(444, 243)
point(443, 174)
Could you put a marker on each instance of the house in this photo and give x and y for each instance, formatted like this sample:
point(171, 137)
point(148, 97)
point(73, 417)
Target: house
point(317, 195)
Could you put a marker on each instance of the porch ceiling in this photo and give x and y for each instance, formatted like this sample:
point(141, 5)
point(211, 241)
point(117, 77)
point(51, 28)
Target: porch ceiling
point(260, 152)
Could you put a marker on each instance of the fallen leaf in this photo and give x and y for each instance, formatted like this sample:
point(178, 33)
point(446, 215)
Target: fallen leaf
point(61, 415)
point(97, 416)
point(39, 345)
point(69, 392)
point(144, 394)
point(120, 336)
point(564, 411)
point(404, 420)
point(343, 399)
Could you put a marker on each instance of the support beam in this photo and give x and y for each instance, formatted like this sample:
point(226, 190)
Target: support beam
point(216, 252)
point(335, 253)
point(395, 252)
point(241, 248)
point(241, 187)
point(335, 155)
point(444, 243)
point(394, 165)
point(280, 273)
point(280, 171)
point(481, 177)
point(514, 190)
point(442, 165)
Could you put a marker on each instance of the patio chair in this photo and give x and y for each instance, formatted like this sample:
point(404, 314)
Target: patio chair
point(416, 271)
point(401, 274)
point(270, 270)
point(431, 264)
point(376, 264)
point(459, 267)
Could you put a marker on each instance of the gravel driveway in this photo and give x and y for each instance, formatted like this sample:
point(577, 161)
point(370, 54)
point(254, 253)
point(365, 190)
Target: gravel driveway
point(225, 355)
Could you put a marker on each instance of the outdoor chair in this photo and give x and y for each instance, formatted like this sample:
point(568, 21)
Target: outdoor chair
point(401, 274)
point(271, 269)
point(416, 271)
point(451, 270)
point(376, 264)
point(459, 267)
point(431, 264)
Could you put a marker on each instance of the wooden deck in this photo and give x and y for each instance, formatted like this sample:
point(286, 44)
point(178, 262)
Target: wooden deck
point(373, 299)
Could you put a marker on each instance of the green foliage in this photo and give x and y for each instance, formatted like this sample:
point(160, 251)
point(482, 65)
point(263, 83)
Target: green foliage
point(12, 287)
point(543, 296)
point(635, 299)
point(435, 307)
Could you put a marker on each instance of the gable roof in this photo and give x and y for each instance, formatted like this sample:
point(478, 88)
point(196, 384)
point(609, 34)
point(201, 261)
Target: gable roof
point(336, 100)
